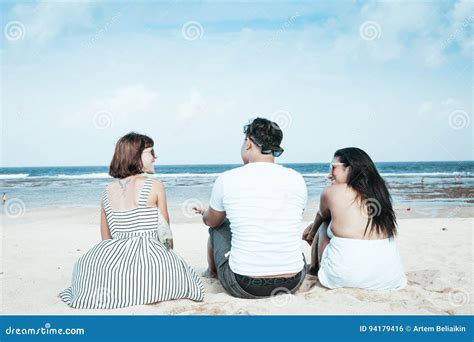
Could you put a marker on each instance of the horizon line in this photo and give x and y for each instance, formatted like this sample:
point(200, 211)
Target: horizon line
point(215, 164)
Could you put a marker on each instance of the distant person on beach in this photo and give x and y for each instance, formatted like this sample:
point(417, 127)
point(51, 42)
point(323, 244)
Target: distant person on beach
point(352, 236)
point(4, 198)
point(255, 215)
point(134, 264)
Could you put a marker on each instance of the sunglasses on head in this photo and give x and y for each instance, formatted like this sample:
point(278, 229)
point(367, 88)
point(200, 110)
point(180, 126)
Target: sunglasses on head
point(152, 151)
point(275, 152)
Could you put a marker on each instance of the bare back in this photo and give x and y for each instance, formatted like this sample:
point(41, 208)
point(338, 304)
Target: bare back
point(123, 195)
point(348, 216)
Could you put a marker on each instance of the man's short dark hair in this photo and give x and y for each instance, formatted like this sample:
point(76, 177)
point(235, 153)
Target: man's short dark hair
point(266, 134)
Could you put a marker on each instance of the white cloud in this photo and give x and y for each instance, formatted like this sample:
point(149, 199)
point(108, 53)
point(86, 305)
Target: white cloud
point(132, 99)
point(124, 106)
point(461, 26)
point(195, 107)
point(439, 109)
point(462, 10)
point(46, 20)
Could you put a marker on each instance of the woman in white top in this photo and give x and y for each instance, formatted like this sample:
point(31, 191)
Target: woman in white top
point(352, 236)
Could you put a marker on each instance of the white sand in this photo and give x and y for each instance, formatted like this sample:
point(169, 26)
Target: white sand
point(39, 250)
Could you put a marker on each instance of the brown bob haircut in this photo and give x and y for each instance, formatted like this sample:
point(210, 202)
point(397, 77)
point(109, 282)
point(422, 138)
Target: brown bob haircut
point(127, 159)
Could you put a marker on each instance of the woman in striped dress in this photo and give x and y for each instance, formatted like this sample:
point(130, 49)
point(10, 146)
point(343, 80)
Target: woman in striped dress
point(134, 264)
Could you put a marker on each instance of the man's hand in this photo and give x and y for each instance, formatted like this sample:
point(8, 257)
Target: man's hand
point(309, 233)
point(198, 210)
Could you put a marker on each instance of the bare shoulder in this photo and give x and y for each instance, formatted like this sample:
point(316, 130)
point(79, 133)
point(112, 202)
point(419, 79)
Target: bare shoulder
point(158, 185)
point(111, 184)
point(334, 190)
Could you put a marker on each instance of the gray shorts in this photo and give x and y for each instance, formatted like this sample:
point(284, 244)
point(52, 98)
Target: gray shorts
point(221, 238)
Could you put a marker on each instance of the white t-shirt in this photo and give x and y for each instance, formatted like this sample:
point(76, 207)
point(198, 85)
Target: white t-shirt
point(264, 203)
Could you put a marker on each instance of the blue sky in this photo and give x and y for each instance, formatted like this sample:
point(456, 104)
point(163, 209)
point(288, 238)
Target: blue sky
point(393, 78)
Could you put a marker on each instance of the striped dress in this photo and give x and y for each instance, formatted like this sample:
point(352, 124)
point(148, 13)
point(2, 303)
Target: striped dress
point(132, 268)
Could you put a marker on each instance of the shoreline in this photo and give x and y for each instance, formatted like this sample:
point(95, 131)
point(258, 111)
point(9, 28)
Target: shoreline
point(180, 214)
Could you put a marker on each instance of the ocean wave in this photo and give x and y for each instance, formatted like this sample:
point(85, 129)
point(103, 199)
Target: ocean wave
point(104, 175)
point(14, 175)
point(99, 175)
point(406, 174)
point(428, 174)
point(175, 175)
point(323, 174)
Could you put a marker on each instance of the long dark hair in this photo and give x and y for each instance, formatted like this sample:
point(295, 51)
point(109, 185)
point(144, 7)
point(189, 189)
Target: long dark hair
point(371, 190)
point(127, 159)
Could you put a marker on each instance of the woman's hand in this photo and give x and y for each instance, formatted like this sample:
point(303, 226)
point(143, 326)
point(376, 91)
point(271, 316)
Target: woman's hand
point(309, 233)
point(169, 243)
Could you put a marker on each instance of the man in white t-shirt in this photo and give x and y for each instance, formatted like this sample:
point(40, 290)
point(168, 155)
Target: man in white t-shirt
point(255, 214)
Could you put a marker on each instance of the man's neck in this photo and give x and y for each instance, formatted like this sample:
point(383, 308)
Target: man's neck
point(262, 158)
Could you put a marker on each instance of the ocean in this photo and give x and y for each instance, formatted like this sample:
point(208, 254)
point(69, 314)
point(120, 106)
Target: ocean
point(425, 183)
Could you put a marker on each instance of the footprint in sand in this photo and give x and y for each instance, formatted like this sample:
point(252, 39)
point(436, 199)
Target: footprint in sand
point(423, 277)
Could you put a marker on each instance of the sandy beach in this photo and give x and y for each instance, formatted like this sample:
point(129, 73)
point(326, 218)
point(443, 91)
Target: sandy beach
point(39, 249)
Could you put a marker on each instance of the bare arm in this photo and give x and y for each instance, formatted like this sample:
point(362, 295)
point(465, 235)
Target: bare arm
point(211, 218)
point(104, 226)
point(323, 214)
point(162, 204)
point(162, 201)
